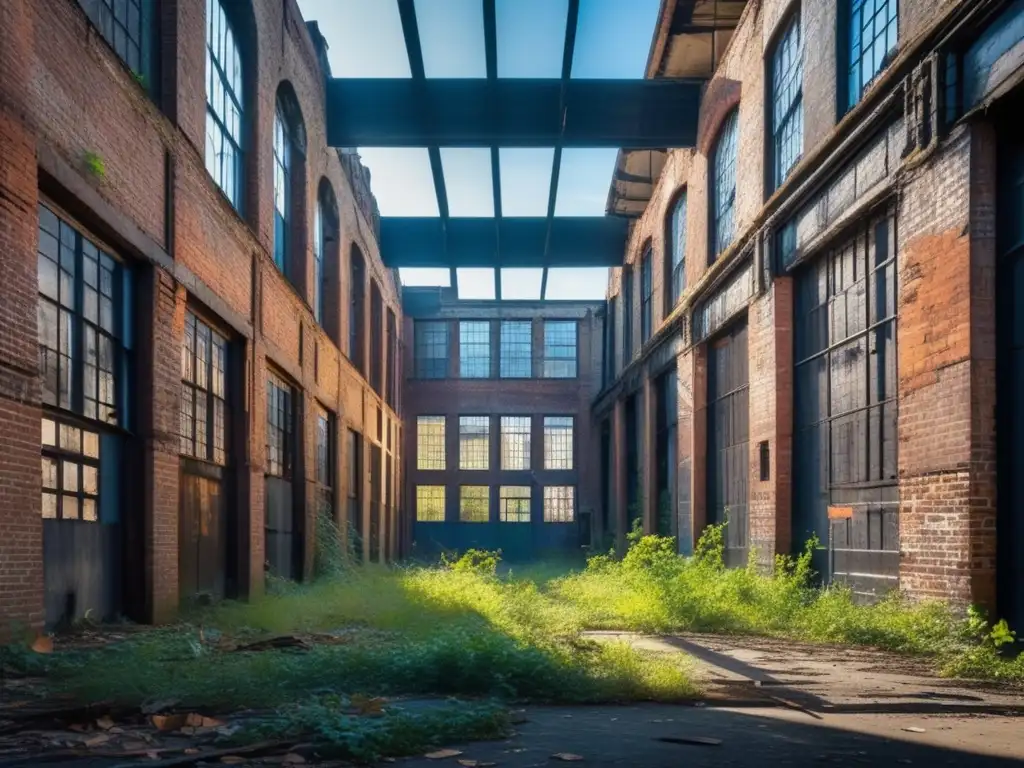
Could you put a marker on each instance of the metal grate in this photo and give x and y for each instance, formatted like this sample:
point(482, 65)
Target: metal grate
point(475, 349)
point(559, 504)
point(474, 442)
point(474, 504)
point(514, 503)
point(430, 501)
point(558, 442)
point(724, 175)
point(787, 93)
point(559, 349)
point(430, 434)
point(516, 349)
point(515, 442)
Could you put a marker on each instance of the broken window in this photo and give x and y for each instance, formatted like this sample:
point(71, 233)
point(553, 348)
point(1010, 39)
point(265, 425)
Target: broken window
point(474, 442)
point(558, 442)
point(430, 432)
point(559, 504)
point(515, 442)
point(514, 503)
point(430, 503)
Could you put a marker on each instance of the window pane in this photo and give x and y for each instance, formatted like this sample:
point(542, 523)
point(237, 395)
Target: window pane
point(679, 248)
point(516, 349)
point(474, 442)
point(559, 504)
point(725, 184)
point(223, 103)
point(872, 42)
point(475, 349)
point(430, 440)
point(430, 503)
point(646, 293)
point(279, 427)
point(474, 504)
point(121, 28)
point(558, 442)
point(431, 339)
point(559, 349)
point(515, 442)
point(787, 112)
point(514, 503)
point(49, 506)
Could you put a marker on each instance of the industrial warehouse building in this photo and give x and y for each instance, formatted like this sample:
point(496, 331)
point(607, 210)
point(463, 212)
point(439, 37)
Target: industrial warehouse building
point(810, 328)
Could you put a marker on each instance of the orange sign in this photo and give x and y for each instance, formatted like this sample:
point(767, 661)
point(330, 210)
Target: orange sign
point(840, 513)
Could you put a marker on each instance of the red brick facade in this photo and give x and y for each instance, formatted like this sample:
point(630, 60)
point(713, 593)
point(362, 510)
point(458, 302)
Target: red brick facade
point(942, 195)
point(65, 95)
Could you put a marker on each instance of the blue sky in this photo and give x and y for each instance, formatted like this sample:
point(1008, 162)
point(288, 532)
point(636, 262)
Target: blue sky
point(612, 41)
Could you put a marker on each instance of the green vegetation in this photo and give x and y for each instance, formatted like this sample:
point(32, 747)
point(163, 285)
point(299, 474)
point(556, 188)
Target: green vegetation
point(94, 165)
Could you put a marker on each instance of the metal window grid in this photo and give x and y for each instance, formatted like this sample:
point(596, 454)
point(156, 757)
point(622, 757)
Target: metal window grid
point(559, 349)
point(787, 90)
point(430, 503)
point(475, 349)
point(723, 221)
point(558, 442)
point(70, 472)
point(203, 427)
point(430, 448)
point(224, 111)
point(280, 445)
point(678, 248)
point(79, 321)
point(431, 349)
point(516, 349)
point(120, 23)
point(282, 188)
point(874, 30)
point(515, 442)
point(559, 504)
point(474, 442)
point(646, 294)
point(514, 503)
point(474, 504)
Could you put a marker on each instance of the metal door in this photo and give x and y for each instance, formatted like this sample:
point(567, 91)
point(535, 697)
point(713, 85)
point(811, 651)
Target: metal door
point(728, 436)
point(1010, 378)
point(844, 461)
point(202, 532)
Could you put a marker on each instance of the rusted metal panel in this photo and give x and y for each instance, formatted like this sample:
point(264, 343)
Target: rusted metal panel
point(202, 533)
point(281, 537)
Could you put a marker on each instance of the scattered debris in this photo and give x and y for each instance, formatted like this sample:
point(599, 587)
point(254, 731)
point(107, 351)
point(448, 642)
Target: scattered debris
point(568, 757)
point(159, 705)
point(443, 754)
point(701, 741)
point(914, 729)
point(475, 764)
point(43, 644)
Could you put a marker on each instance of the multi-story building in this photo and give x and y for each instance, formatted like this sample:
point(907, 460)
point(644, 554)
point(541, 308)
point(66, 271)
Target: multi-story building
point(816, 321)
point(198, 334)
point(498, 412)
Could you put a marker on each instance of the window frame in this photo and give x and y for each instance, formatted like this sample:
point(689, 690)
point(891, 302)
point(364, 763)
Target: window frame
point(463, 498)
point(430, 463)
point(793, 113)
point(506, 426)
point(425, 339)
point(282, 193)
point(851, 95)
point(513, 361)
point(420, 498)
point(552, 361)
point(722, 206)
point(282, 399)
point(554, 425)
point(319, 238)
point(627, 315)
point(232, 90)
point(560, 493)
point(468, 364)
point(675, 251)
point(54, 452)
point(146, 43)
point(646, 294)
point(196, 327)
point(469, 422)
point(514, 493)
point(325, 453)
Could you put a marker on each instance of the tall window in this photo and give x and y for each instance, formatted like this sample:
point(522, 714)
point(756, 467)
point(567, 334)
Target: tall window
point(627, 315)
point(204, 355)
point(558, 442)
point(474, 504)
point(474, 349)
point(787, 73)
point(646, 294)
point(516, 353)
point(224, 111)
point(724, 183)
point(514, 503)
point(280, 429)
point(355, 487)
point(325, 462)
point(677, 249)
point(83, 337)
point(282, 188)
point(559, 349)
point(431, 339)
point(123, 23)
point(430, 452)
point(559, 504)
point(474, 442)
point(391, 359)
point(515, 442)
point(874, 26)
point(318, 263)
point(357, 310)
point(430, 503)
point(71, 467)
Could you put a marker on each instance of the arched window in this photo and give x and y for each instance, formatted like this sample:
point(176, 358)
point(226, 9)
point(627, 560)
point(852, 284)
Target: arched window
point(224, 105)
point(723, 177)
point(289, 144)
point(677, 250)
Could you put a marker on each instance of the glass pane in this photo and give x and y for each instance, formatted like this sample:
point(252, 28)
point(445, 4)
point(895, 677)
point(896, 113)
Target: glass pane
point(91, 445)
point(49, 432)
point(90, 480)
point(69, 507)
point(89, 510)
point(69, 476)
point(49, 473)
point(49, 510)
point(70, 438)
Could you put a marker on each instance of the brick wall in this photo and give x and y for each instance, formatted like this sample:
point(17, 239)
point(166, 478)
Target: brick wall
point(66, 93)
